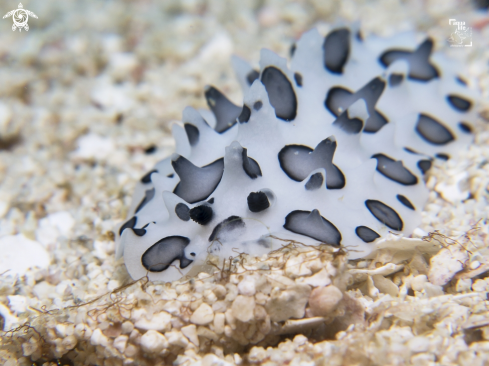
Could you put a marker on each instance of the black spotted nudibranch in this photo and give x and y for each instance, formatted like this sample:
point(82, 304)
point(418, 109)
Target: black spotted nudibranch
point(329, 150)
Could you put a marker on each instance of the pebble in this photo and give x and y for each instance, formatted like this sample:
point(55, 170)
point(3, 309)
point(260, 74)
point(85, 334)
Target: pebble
point(323, 300)
point(243, 307)
point(203, 315)
point(159, 321)
point(153, 342)
point(190, 331)
point(176, 338)
point(19, 254)
point(247, 286)
point(287, 304)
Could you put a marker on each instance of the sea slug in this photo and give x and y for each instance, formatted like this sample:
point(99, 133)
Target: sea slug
point(331, 149)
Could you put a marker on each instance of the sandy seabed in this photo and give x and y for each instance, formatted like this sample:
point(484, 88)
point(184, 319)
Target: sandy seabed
point(86, 100)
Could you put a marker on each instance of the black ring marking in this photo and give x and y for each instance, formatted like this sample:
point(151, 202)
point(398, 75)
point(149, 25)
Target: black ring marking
point(384, 214)
point(366, 234)
point(208, 178)
point(298, 161)
point(280, 93)
point(465, 127)
point(424, 165)
point(192, 134)
point(250, 166)
point(313, 225)
point(405, 202)
point(147, 177)
point(339, 99)
point(315, 182)
point(252, 76)
point(224, 110)
point(433, 131)
point(245, 115)
point(336, 49)
point(129, 224)
point(161, 255)
point(298, 79)
point(182, 211)
point(225, 226)
point(458, 103)
point(420, 67)
point(394, 170)
point(395, 79)
point(148, 196)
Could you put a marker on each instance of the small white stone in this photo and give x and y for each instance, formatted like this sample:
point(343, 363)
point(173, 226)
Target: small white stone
point(159, 321)
point(176, 338)
point(247, 286)
point(323, 300)
point(93, 146)
point(190, 331)
point(203, 315)
point(320, 279)
point(219, 322)
point(243, 308)
point(287, 304)
point(120, 343)
point(17, 303)
point(19, 254)
point(98, 338)
point(69, 342)
point(153, 342)
point(445, 264)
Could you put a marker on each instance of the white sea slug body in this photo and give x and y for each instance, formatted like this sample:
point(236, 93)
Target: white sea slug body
point(329, 150)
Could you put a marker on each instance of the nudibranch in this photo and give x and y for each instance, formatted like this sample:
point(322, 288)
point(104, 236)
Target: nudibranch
point(331, 149)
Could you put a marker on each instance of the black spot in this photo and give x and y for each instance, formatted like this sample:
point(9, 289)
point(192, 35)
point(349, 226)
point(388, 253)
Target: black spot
point(395, 170)
point(140, 232)
point(280, 93)
point(442, 156)
point(257, 106)
point(170, 175)
point(192, 254)
point(150, 149)
point(147, 177)
point(201, 214)
point(461, 80)
point(315, 182)
point(366, 234)
point(244, 115)
point(459, 103)
point(336, 49)
point(424, 165)
point(411, 151)
point(299, 161)
point(298, 79)
point(313, 225)
point(197, 184)
point(182, 211)
point(433, 131)
point(211, 201)
point(161, 255)
point(384, 214)
point(339, 99)
point(349, 125)
point(252, 76)
point(225, 111)
point(359, 36)
point(192, 134)
point(420, 67)
point(292, 49)
point(250, 166)
point(129, 224)
point(395, 79)
point(465, 127)
point(227, 225)
point(119, 118)
point(405, 201)
point(148, 196)
point(258, 201)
